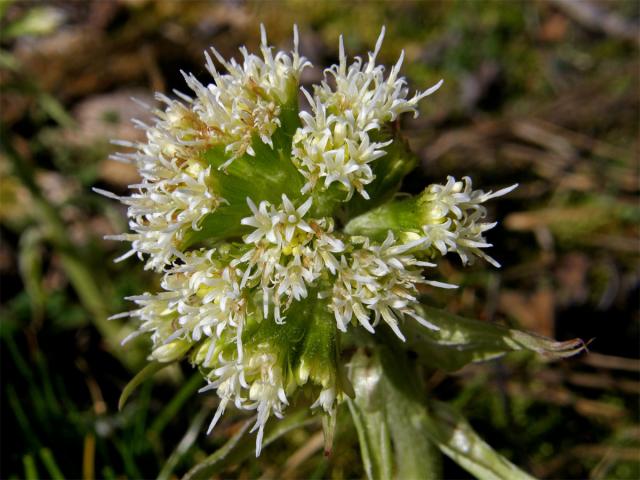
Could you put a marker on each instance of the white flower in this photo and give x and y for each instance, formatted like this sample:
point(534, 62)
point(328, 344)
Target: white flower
point(163, 209)
point(156, 313)
point(453, 219)
point(440, 236)
point(326, 400)
point(292, 218)
point(228, 384)
point(378, 281)
point(264, 220)
point(247, 100)
point(175, 195)
point(288, 254)
point(293, 277)
point(334, 142)
point(266, 391)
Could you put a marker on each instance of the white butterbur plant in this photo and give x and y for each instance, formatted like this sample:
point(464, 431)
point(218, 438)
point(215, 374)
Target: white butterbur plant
point(291, 268)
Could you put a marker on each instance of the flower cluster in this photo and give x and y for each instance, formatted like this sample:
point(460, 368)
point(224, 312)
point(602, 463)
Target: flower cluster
point(246, 208)
point(335, 144)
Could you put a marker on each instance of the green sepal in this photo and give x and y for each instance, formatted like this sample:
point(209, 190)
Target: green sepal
point(327, 202)
point(320, 348)
point(172, 351)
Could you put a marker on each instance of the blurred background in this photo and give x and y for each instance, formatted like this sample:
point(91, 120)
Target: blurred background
point(544, 93)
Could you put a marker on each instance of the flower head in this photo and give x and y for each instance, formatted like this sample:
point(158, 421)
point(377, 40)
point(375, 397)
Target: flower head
point(245, 208)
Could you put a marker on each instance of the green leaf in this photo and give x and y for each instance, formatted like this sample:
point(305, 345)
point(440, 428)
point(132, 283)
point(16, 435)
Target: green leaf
point(375, 443)
point(445, 428)
point(240, 447)
point(389, 419)
point(368, 414)
point(456, 439)
point(416, 457)
point(214, 461)
point(144, 374)
point(460, 341)
point(386, 382)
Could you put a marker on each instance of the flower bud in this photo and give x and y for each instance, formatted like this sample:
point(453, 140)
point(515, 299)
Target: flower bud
point(171, 351)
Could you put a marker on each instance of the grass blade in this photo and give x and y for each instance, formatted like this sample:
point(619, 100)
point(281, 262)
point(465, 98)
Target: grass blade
point(144, 374)
point(240, 447)
point(184, 446)
point(208, 466)
point(50, 464)
point(169, 412)
point(30, 470)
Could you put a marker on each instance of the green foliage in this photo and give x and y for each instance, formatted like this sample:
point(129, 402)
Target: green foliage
point(460, 341)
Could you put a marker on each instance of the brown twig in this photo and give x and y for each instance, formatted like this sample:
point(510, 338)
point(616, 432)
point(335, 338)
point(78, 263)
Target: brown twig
point(595, 18)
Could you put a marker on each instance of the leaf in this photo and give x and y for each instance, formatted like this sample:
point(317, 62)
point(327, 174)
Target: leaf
point(208, 466)
point(445, 428)
point(455, 437)
point(460, 341)
point(239, 447)
point(388, 419)
point(172, 408)
point(385, 381)
point(368, 414)
point(144, 374)
point(30, 264)
point(50, 464)
point(415, 455)
point(375, 443)
point(30, 470)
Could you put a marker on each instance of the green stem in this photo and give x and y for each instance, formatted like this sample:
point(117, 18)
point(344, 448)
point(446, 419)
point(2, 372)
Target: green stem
point(173, 407)
point(50, 464)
